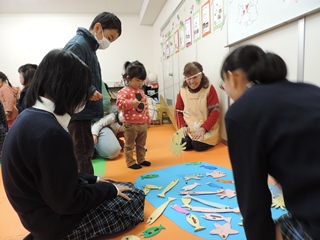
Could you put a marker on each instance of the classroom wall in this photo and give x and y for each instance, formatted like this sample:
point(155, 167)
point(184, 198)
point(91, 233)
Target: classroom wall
point(283, 39)
point(26, 38)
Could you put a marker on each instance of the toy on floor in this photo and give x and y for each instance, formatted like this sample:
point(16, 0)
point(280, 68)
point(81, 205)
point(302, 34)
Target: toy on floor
point(213, 210)
point(150, 176)
point(148, 187)
point(216, 217)
point(156, 214)
point(213, 185)
point(191, 186)
point(225, 181)
point(220, 190)
point(206, 202)
point(194, 221)
point(209, 167)
point(130, 237)
point(278, 202)
point(216, 174)
point(193, 176)
point(176, 144)
point(180, 209)
point(186, 201)
point(227, 193)
point(150, 232)
point(193, 163)
point(223, 230)
point(168, 188)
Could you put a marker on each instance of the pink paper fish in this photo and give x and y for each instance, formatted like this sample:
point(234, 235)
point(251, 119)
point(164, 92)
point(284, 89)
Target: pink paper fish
point(180, 209)
point(216, 174)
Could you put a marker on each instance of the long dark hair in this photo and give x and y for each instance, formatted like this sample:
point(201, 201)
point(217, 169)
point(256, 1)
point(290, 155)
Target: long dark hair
point(27, 71)
point(64, 79)
point(260, 67)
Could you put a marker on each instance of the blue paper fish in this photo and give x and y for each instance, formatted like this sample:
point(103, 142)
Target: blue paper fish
point(209, 167)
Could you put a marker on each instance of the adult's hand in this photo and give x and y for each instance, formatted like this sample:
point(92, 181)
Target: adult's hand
point(186, 130)
point(198, 134)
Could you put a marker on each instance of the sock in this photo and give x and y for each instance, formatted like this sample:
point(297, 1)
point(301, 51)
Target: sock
point(135, 166)
point(146, 163)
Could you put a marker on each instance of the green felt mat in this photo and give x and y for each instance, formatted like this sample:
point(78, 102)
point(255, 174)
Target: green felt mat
point(99, 165)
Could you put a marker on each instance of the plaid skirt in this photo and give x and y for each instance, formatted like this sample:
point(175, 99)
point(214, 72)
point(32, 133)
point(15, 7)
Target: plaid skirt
point(291, 229)
point(111, 216)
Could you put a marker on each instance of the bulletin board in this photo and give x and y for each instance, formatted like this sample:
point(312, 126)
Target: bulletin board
point(247, 18)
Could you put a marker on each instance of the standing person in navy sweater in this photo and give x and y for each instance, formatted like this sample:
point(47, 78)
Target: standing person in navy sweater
point(39, 168)
point(104, 29)
point(273, 129)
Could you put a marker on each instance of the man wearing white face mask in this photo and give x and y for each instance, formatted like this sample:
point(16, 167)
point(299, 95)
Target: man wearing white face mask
point(104, 29)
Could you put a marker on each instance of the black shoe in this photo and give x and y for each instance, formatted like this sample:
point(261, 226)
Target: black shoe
point(146, 163)
point(135, 166)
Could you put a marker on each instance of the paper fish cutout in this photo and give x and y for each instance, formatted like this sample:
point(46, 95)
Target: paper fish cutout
point(191, 186)
point(146, 190)
point(176, 144)
point(186, 201)
point(150, 176)
point(154, 216)
point(225, 181)
point(130, 237)
point(193, 163)
point(223, 230)
point(227, 193)
point(171, 185)
point(209, 167)
point(216, 217)
point(213, 210)
point(150, 232)
point(193, 176)
point(278, 202)
point(216, 174)
point(202, 193)
point(206, 202)
point(194, 221)
point(179, 209)
point(213, 185)
point(148, 187)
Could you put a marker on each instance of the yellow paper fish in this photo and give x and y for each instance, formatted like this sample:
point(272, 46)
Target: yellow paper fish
point(171, 185)
point(194, 221)
point(154, 216)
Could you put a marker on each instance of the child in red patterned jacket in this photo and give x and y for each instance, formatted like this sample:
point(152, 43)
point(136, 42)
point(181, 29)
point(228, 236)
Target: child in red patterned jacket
point(132, 101)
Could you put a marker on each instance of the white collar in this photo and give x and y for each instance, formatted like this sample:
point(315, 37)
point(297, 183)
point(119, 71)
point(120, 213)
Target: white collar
point(48, 105)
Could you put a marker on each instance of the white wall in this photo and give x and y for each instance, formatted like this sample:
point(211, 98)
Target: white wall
point(26, 38)
point(212, 49)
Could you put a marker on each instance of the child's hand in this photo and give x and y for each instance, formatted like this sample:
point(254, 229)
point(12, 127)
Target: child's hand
point(95, 138)
point(135, 102)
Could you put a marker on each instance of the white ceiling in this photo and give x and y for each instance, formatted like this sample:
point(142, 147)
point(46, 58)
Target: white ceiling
point(148, 10)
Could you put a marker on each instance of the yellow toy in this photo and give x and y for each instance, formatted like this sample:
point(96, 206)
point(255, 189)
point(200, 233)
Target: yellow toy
point(175, 143)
